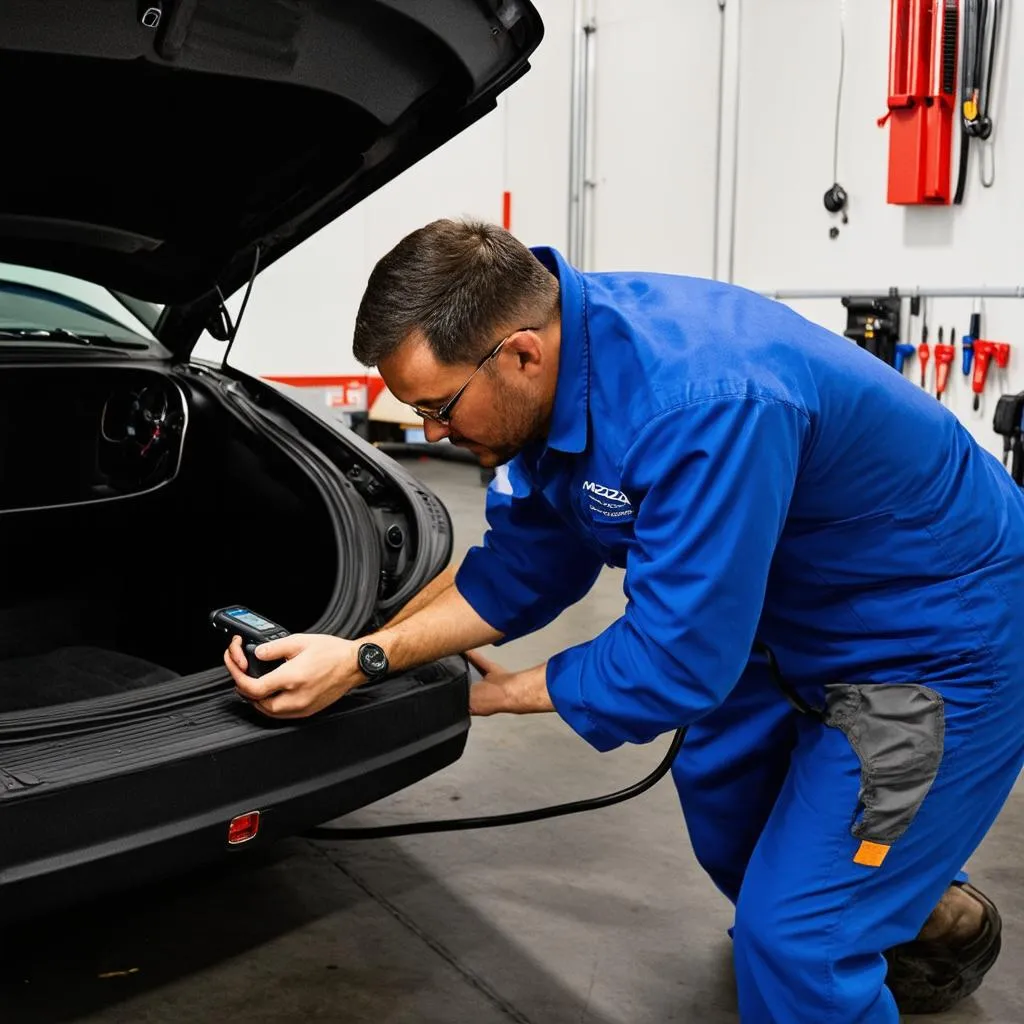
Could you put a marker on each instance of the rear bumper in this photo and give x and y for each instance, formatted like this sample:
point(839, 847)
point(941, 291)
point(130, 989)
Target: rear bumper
point(77, 838)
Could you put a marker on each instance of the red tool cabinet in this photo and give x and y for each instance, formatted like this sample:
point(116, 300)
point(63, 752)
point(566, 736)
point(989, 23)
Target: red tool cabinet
point(923, 50)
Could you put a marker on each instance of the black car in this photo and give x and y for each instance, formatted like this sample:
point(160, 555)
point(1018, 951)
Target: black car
point(139, 490)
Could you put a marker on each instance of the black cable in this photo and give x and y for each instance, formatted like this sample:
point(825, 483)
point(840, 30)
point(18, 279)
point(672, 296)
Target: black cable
point(415, 828)
point(976, 84)
point(835, 198)
point(961, 178)
point(788, 691)
point(514, 818)
point(971, 59)
point(987, 125)
point(839, 90)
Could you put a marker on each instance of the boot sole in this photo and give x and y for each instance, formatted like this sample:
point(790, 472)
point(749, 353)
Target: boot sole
point(930, 977)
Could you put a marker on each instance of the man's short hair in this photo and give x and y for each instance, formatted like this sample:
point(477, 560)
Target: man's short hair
point(459, 283)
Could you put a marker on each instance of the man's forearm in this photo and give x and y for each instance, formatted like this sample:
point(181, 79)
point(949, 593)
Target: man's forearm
point(445, 625)
point(433, 590)
point(517, 693)
point(439, 622)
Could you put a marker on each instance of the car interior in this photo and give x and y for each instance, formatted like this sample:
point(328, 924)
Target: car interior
point(131, 505)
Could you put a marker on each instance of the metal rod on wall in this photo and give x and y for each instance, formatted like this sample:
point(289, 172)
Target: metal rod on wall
point(587, 182)
point(735, 187)
point(575, 134)
point(718, 137)
point(1011, 292)
point(580, 132)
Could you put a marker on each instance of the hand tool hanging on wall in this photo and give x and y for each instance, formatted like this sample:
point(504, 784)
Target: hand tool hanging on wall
point(944, 356)
point(923, 51)
point(984, 353)
point(904, 351)
point(874, 323)
point(1007, 422)
point(923, 352)
point(982, 21)
point(969, 339)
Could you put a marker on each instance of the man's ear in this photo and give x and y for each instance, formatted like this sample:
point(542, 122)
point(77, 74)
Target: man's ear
point(529, 350)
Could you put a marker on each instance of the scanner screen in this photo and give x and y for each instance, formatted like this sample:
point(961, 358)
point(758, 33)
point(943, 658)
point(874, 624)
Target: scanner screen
point(250, 619)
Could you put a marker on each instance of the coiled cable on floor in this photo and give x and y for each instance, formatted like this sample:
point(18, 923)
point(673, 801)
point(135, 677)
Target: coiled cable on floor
point(413, 828)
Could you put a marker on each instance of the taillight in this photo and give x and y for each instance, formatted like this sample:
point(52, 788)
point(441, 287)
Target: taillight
point(243, 828)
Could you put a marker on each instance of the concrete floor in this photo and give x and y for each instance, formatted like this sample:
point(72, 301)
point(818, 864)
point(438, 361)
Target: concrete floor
point(603, 918)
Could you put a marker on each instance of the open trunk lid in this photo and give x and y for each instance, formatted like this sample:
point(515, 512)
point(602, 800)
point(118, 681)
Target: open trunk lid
point(183, 134)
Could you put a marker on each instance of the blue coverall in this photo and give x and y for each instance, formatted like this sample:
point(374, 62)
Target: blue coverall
point(764, 481)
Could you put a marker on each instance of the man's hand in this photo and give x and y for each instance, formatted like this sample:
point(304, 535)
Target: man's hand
point(518, 693)
point(318, 671)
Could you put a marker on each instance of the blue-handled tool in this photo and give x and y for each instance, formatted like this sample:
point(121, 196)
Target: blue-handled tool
point(904, 351)
point(968, 342)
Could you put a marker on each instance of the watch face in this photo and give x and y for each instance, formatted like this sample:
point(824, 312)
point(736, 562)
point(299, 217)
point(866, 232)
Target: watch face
point(372, 659)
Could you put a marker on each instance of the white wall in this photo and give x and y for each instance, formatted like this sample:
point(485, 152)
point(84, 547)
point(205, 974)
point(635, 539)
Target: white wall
point(658, 94)
point(655, 91)
point(301, 314)
point(790, 53)
point(653, 202)
point(653, 205)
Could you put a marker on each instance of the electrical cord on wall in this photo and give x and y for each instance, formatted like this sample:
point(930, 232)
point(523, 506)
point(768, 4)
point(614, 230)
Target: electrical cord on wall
point(987, 155)
point(839, 89)
point(836, 197)
point(981, 28)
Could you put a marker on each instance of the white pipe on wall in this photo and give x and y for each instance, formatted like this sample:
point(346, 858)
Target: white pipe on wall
point(581, 134)
point(718, 136)
point(734, 199)
point(588, 182)
point(575, 128)
point(984, 292)
point(726, 186)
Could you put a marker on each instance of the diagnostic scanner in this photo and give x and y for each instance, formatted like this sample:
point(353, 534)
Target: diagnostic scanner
point(254, 630)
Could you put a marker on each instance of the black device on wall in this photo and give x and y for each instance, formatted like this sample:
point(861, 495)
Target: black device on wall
point(1008, 422)
point(874, 324)
point(835, 202)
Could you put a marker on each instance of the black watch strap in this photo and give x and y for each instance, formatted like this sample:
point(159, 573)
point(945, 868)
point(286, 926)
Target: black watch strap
point(373, 662)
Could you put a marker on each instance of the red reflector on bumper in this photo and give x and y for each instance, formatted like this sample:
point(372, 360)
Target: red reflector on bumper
point(243, 828)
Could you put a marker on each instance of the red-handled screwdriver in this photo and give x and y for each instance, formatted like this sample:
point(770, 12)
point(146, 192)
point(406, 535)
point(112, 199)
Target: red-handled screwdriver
point(944, 356)
point(983, 352)
point(923, 352)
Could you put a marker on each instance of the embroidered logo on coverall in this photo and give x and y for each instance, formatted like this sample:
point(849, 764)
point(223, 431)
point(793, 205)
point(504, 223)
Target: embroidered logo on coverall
point(607, 501)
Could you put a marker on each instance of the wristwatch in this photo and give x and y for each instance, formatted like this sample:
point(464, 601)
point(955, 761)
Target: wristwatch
point(373, 662)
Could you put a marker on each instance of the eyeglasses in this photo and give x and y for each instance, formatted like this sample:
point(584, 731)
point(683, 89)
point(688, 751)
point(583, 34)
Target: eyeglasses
point(444, 414)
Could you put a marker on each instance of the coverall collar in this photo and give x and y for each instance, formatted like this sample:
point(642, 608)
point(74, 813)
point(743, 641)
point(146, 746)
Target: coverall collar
point(568, 432)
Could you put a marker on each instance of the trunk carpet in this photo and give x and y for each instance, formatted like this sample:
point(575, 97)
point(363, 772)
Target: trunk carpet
point(73, 673)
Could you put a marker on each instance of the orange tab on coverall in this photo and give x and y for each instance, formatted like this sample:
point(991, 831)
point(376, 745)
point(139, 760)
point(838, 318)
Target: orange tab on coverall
point(870, 855)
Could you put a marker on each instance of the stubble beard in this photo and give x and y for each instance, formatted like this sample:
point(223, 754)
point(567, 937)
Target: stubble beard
point(522, 423)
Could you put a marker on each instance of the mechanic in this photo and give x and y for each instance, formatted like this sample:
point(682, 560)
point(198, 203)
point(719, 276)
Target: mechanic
point(771, 490)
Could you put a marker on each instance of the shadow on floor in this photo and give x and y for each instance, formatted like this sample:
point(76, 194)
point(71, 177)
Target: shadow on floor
point(290, 935)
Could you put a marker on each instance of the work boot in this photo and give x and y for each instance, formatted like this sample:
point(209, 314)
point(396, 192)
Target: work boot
point(954, 950)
